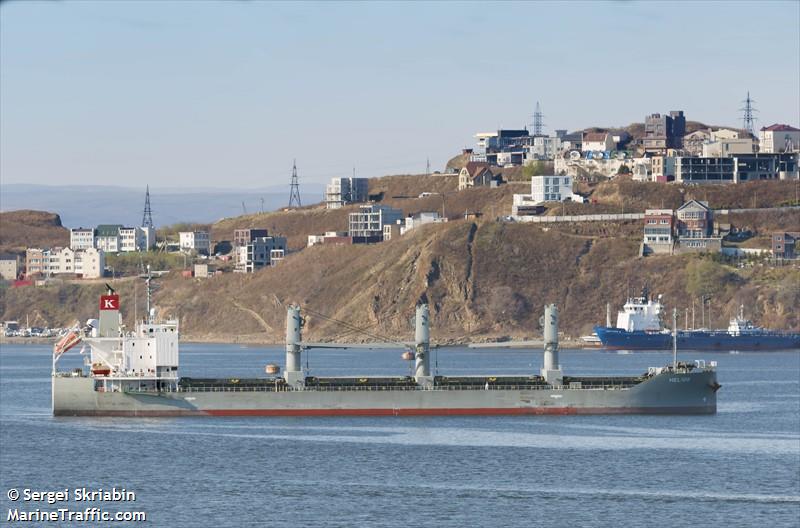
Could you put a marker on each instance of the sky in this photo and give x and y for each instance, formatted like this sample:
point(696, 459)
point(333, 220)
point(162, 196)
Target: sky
point(207, 94)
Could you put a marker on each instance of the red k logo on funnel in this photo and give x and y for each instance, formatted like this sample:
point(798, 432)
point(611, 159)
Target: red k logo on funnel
point(109, 302)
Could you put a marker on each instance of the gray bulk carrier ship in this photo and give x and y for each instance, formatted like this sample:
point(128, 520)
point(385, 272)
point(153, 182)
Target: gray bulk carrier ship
point(136, 374)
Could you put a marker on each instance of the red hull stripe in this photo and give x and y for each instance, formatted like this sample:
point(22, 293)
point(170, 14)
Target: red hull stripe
point(398, 412)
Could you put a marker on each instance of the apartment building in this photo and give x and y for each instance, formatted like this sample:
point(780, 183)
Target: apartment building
point(86, 263)
point(82, 238)
point(194, 241)
point(342, 191)
point(366, 225)
point(259, 252)
point(779, 138)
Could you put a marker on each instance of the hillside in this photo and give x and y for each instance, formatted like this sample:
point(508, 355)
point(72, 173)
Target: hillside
point(483, 280)
point(23, 229)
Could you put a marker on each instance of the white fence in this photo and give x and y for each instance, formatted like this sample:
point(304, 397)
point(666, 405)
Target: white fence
point(579, 218)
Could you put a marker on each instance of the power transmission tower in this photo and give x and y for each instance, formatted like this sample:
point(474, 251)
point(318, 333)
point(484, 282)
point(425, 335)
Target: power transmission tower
point(147, 217)
point(538, 121)
point(244, 209)
point(428, 167)
point(748, 114)
point(294, 191)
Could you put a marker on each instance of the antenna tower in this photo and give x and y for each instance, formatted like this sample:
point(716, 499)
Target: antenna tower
point(538, 121)
point(147, 217)
point(428, 167)
point(748, 117)
point(294, 192)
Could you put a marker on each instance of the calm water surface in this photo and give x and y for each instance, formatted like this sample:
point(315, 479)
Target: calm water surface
point(740, 467)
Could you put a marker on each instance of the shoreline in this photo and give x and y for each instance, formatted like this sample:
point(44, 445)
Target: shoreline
point(258, 341)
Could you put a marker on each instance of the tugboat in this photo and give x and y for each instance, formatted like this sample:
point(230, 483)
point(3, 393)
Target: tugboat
point(639, 327)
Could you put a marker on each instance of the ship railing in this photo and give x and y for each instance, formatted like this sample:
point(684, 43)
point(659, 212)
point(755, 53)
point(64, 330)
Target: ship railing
point(385, 388)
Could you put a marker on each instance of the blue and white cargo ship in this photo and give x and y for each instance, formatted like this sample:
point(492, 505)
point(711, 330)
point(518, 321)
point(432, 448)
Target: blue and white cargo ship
point(639, 327)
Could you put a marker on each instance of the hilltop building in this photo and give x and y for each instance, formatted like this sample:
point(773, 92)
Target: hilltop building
point(9, 267)
point(659, 226)
point(81, 238)
point(366, 225)
point(475, 174)
point(663, 132)
point(330, 237)
point(242, 237)
point(597, 142)
point(736, 168)
point(779, 138)
point(342, 191)
point(783, 245)
point(259, 252)
point(86, 263)
point(194, 241)
point(544, 189)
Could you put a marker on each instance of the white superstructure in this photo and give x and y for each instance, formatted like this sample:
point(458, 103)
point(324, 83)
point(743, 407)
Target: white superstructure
point(641, 313)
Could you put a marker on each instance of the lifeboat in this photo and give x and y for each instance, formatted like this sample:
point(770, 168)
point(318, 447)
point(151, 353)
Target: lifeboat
point(408, 356)
point(272, 369)
point(69, 340)
point(98, 369)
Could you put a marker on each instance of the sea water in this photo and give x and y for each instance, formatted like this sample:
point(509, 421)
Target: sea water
point(740, 467)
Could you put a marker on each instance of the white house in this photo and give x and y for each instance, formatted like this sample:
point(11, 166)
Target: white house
point(777, 138)
point(194, 240)
point(553, 189)
point(597, 141)
point(412, 222)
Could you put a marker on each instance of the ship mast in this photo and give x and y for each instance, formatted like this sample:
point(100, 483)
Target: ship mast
point(675, 339)
point(149, 293)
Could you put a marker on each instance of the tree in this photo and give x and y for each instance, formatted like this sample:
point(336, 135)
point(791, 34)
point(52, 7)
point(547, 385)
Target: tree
point(623, 169)
point(537, 168)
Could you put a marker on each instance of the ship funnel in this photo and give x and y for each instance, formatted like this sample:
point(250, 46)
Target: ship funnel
point(293, 373)
point(551, 370)
point(109, 324)
point(422, 364)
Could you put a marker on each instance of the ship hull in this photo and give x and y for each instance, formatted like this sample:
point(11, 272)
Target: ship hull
point(616, 338)
point(666, 393)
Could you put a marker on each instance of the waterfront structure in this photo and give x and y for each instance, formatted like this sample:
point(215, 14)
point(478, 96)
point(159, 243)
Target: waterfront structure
point(366, 225)
point(779, 138)
point(343, 191)
point(82, 238)
point(663, 132)
point(260, 252)
point(658, 231)
point(475, 174)
point(194, 241)
point(9, 266)
point(783, 244)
